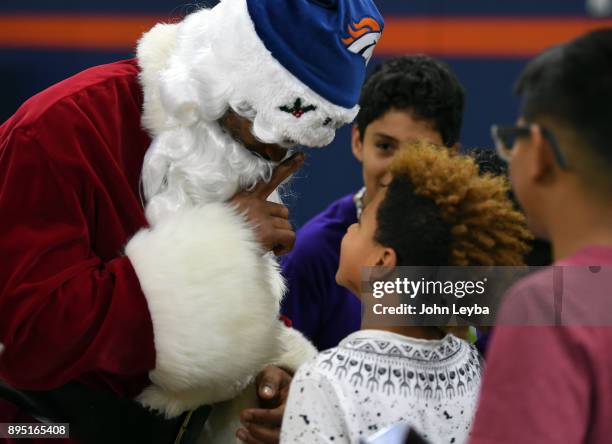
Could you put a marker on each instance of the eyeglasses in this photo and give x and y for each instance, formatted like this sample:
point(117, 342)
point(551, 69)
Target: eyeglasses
point(505, 139)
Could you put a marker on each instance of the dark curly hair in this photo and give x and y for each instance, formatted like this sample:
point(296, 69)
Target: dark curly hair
point(439, 210)
point(420, 85)
point(413, 226)
point(489, 162)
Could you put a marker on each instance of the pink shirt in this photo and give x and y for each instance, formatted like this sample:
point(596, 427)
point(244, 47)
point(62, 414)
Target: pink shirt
point(547, 384)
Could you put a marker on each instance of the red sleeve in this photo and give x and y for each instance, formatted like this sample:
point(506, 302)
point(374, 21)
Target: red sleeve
point(536, 385)
point(64, 312)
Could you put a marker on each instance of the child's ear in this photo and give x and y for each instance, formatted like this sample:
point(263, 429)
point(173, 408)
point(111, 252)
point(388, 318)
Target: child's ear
point(543, 158)
point(387, 258)
point(357, 144)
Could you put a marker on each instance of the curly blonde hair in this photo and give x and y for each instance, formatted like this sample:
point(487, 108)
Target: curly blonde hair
point(485, 227)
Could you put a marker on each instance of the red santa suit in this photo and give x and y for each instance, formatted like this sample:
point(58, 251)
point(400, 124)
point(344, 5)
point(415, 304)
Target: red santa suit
point(72, 307)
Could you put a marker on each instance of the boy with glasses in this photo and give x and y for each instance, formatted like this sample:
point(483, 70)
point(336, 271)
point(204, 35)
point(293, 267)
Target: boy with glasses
point(552, 383)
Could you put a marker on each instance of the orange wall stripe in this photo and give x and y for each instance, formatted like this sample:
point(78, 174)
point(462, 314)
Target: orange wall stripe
point(445, 36)
point(73, 32)
point(491, 36)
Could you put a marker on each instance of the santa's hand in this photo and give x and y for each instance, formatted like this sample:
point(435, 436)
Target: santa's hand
point(263, 425)
point(270, 220)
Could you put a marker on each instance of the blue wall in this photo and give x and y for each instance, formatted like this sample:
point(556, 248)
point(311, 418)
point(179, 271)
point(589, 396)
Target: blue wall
point(395, 7)
point(328, 173)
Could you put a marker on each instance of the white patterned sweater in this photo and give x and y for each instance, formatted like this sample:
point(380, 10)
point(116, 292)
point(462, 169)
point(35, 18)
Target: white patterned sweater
point(374, 379)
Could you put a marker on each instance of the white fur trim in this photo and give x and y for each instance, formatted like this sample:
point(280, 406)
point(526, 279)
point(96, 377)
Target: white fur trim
point(153, 53)
point(214, 60)
point(296, 350)
point(214, 302)
point(224, 419)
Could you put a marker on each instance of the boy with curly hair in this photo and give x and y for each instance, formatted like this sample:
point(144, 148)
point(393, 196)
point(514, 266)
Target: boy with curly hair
point(404, 99)
point(435, 210)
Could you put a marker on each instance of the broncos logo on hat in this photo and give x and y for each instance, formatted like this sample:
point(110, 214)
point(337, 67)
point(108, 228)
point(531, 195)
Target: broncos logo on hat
point(363, 37)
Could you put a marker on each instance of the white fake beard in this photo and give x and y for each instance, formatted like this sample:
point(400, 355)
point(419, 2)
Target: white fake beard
point(195, 165)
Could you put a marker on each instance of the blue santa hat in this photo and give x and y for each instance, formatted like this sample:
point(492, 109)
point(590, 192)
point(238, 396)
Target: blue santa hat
point(293, 67)
point(326, 44)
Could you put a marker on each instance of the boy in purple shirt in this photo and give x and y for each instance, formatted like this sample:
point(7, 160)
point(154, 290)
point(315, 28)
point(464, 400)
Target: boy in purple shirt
point(405, 99)
point(548, 383)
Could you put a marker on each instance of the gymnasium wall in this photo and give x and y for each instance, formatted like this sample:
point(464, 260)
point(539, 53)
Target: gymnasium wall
point(485, 42)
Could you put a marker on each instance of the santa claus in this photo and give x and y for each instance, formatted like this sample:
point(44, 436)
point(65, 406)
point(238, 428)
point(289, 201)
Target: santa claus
point(139, 210)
